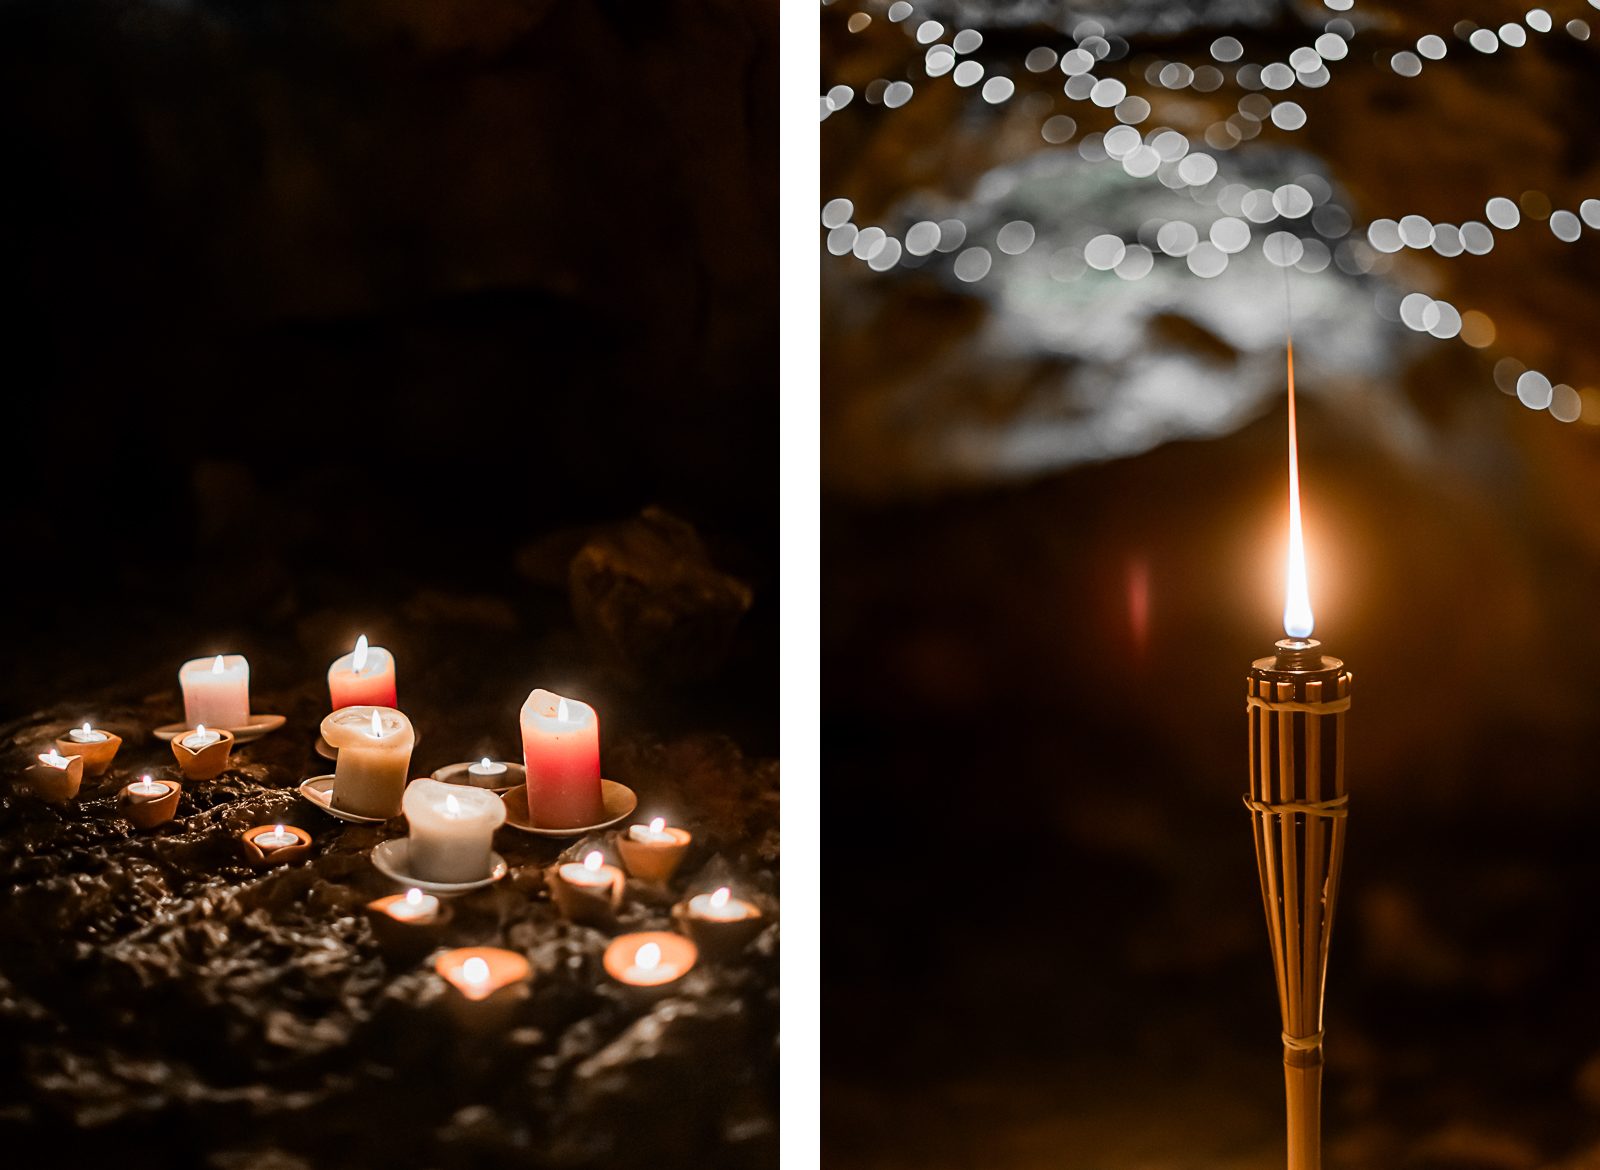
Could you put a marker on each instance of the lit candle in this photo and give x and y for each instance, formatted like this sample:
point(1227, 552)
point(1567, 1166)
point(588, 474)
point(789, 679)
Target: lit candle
point(720, 924)
point(278, 837)
point(452, 827)
point(148, 803)
point(145, 788)
point(374, 746)
point(592, 874)
point(98, 748)
point(87, 734)
point(56, 777)
point(649, 960)
point(199, 738)
point(216, 690)
point(589, 891)
point(413, 906)
point(363, 678)
point(275, 844)
point(479, 972)
point(653, 852)
point(487, 773)
point(561, 749)
point(720, 906)
point(409, 925)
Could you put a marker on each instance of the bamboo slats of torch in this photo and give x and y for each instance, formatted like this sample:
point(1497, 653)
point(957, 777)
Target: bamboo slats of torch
point(1297, 802)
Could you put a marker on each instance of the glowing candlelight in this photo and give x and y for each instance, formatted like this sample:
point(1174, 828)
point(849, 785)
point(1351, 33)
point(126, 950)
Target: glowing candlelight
point(487, 773)
point(54, 759)
point(279, 838)
point(1297, 617)
point(452, 828)
point(479, 972)
point(415, 906)
point(374, 746)
point(87, 734)
point(653, 851)
point(592, 873)
point(216, 691)
point(655, 832)
point(650, 959)
point(561, 749)
point(721, 906)
point(358, 657)
point(148, 789)
point(363, 678)
point(200, 737)
point(476, 972)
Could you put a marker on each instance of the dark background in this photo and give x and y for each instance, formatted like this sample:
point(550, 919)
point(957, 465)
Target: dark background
point(322, 306)
point(1045, 943)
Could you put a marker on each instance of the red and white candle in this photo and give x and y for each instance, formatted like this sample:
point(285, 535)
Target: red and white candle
point(363, 678)
point(561, 749)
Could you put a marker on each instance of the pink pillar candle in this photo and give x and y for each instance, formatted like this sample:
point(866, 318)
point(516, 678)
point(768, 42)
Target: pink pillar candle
point(363, 678)
point(561, 748)
point(216, 691)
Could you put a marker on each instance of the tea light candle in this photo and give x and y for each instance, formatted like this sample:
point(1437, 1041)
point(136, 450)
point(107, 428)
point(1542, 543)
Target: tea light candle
point(199, 738)
point(720, 924)
point(649, 960)
point(148, 803)
point(720, 906)
point(363, 678)
point(561, 749)
point(216, 690)
point(589, 891)
point(374, 746)
point(409, 925)
point(412, 906)
point(592, 874)
point(479, 972)
point(275, 844)
point(98, 748)
point(653, 852)
point(487, 773)
point(452, 826)
point(56, 777)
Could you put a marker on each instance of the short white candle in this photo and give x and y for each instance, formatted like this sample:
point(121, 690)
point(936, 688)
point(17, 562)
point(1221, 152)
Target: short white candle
point(649, 967)
point(487, 773)
point(653, 833)
point(55, 759)
point(87, 734)
point(592, 873)
point(475, 971)
point(374, 746)
point(200, 737)
point(414, 907)
point(216, 690)
point(720, 906)
point(452, 827)
point(147, 789)
point(277, 839)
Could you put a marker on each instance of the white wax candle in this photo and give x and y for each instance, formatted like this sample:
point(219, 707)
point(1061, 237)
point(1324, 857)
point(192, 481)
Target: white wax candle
point(216, 690)
point(650, 967)
point(55, 759)
point(452, 827)
point(593, 872)
point(200, 737)
point(277, 839)
point(487, 773)
point(654, 833)
point(720, 907)
point(414, 907)
point(87, 734)
point(374, 746)
point(145, 788)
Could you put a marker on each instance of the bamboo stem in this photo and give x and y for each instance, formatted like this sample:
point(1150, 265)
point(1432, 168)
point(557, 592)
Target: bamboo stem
point(1302, 1082)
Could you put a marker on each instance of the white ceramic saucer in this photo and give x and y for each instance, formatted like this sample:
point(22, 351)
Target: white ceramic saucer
point(516, 776)
point(392, 860)
point(258, 726)
point(319, 791)
point(617, 803)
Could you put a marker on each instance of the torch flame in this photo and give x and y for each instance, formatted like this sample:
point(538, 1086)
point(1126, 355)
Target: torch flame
point(658, 824)
point(1297, 617)
point(647, 957)
point(594, 861)
point(720, 898)
point(358, 660)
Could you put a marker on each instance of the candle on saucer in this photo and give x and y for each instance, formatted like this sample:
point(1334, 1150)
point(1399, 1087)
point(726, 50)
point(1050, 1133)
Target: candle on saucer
point(720, 924)
point(55, 777)
point(561, 750)
point(408, 925)
point(363, 678)
point(97, 747)
point(374, 746)
point(202, 754)
point(487, 773)
point(452, 828)
point(216, 690)
point(148, 803)
point(275, 844)
point(649, 961)
point(588, 891)
point(653, 852)
point(479, 972)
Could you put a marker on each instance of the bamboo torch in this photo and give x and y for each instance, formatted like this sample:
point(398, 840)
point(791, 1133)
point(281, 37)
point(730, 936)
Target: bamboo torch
point(1298, 700)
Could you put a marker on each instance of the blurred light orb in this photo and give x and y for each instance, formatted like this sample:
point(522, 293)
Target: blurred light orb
point(887, 257)
point(1484, 41)
point(1514, 35)
point(1288, 116)
point(1120, 141)
point(1565, 403)
point(897, 95)
point(1282, 249)
point(1406, 63)
point(858, 22)
point(1136, 263)
point(1177, 238)
point(1226, 49)
point(1538, 20)
point(1230, 235)
point(1446, 321)
point(869, 243)
point(1040, 60)
point(998, 89)
point(1589, 209)
point(836, 212)
point(1502, 212)
point(1476, 238)
point(952, 234)
point(1292, 201)
point(1058, 129)
point(842, 239)
point(1432, 47)
point(1534, 390)
point(1277, 76)
point(1339, 5)
point(967, 73)
point(1506, 372)
point(929, 31)
point(1015, 238)
point(1079, 86)
point(1076, 61)
point(1107, 92)
point(839, 96)
point(898, 11)
point(1315, 256)
point(922, 237)
point(1207, 260)
point(967, 40)
point(1477, 329)
point(1305, 60)
point(1565, 226)
point(1416, 232)
point(1332, 47)
point(1104, 252)
point(1132, 110)
point(939, 60)
point(973, 264)
point(1413, 307)
point(1447, 240)
point(1197, 169)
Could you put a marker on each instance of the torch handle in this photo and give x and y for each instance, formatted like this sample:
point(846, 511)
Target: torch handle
point(1302, 1082)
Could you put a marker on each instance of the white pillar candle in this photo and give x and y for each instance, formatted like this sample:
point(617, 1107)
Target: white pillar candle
point(452, 826)
point(216, 690)
point(374, 746)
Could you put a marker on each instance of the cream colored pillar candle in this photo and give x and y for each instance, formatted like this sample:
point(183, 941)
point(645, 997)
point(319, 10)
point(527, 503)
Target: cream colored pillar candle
point(452, 826)
point(216, 690)
point(374, 746)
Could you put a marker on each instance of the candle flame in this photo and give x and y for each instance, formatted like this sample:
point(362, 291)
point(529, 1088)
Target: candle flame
point(562, 713)
point(217, 667)
point(54, 758)
point(278, 831)
point(647, 957)
point(86, 727)
point(377, 724)
point(594, 861)
point(199, 729)
point(414, 896)
point(1297, 617)
point(720, 898)
point(658, 824)
point(452, 806)
point(484, 763)
point(475, 970)
point(358, 660)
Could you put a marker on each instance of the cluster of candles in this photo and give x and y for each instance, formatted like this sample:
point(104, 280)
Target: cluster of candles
point(451, 825)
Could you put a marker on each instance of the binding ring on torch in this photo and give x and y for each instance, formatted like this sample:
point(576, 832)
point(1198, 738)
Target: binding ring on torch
point(1335, 807)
